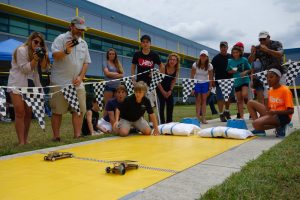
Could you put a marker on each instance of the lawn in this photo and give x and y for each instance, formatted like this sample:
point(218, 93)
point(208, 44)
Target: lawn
point(274, 175)
point(40, 139)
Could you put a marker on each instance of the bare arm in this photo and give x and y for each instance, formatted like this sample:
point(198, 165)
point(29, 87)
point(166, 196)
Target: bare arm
point(78, 80)
point(112, 118)
point(289, 111)
point(133, 66)
point(59, 55)
point(155, 124)
point(89, 121)
point(112, 74)
point(193, 72)
point(210, 78)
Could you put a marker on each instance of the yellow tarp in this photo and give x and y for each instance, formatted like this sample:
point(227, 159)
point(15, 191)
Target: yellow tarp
point(30, 177)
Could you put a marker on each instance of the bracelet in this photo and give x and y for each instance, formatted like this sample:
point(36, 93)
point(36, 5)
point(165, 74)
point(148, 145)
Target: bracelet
point(66, 52)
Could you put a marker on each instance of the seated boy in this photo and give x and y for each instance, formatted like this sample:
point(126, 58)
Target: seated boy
point(106, 123)
point(132, 110)
point(280, 107)
point(90, 120)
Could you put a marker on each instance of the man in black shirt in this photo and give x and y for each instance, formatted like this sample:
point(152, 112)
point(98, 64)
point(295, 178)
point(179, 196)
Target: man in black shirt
point(131, 111)
point(144, 60)
point(219, 63)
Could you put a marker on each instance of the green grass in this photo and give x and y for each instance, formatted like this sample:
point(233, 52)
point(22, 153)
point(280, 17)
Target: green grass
point(39, 139)
point(274, 175)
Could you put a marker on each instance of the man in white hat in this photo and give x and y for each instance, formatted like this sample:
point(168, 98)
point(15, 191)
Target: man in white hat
point(71, 59)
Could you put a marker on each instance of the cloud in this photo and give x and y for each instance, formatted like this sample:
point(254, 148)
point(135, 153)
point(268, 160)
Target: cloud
point(289, 6)
point(290, 36)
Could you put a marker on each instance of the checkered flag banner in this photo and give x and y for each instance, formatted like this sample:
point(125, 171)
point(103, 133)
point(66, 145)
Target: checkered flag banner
point(99, 90)
point(226, 87)
point(70, 95)
point(35, 99)
point(188, 85)
point(262, 76)
point(157, 77)
point(128, 83)
point(2, 102)
point(292, 72)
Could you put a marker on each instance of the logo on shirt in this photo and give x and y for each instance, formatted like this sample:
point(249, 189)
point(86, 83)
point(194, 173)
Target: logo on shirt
point(145, 63)
point(275, 102)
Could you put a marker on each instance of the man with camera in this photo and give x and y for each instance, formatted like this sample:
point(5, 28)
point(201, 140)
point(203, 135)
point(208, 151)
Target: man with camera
point(71, 59)
point(269, 53)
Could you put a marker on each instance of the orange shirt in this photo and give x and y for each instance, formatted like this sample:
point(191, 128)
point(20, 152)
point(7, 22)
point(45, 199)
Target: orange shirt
point(280, 99)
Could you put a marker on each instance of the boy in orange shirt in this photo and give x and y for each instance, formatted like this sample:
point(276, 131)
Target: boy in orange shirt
point(280, 107)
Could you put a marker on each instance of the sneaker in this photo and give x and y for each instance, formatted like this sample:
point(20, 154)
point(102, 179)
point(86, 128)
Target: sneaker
point(227, 115)
point(259, 133)
point(280, 132)
point(222, 118)
point(238, 116)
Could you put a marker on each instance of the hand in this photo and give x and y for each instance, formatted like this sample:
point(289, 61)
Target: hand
point(35, 57)
point(213, 83)
point(263, 48)
point(155, 131)
point(193, 93)
point(69, 46)
point(243, 74)
point(77, 81)
point(271, 112)
point(169, 93)
point(115, 126)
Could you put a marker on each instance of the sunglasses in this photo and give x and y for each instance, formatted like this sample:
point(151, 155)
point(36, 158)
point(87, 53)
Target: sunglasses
point(36, 42)
point(262, 39)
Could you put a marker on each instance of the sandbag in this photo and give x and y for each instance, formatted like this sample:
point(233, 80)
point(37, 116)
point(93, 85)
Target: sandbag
point(176, 128)
point(226, 132)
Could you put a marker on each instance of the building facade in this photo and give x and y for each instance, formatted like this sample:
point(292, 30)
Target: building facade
point(106, 29)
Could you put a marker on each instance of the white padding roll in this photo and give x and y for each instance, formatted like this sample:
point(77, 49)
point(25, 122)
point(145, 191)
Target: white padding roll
point(225, 132)
point(176, 128)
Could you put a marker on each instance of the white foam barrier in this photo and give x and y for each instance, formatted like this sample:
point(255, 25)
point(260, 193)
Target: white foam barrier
point(176, 128)
point(226, 132)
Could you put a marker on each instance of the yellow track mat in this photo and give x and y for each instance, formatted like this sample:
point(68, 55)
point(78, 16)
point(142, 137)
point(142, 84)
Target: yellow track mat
point(30, 177)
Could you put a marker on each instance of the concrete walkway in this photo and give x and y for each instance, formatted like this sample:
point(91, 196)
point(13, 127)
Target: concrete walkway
point(193, 182)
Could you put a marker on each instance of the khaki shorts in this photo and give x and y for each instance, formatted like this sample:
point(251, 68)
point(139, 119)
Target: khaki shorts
point(141, 124)
point(60, 105)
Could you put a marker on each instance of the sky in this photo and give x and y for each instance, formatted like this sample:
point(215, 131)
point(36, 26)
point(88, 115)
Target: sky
point(210, 21)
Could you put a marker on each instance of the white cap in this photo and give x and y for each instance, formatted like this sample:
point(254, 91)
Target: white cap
point(204, 52)
point(263, 34)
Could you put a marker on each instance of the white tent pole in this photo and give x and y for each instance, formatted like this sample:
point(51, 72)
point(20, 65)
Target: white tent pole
point(157, 109)
point(297, 101)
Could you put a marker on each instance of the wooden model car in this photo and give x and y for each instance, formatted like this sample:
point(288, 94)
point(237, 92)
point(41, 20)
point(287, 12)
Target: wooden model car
point(120, 167)
point(55, 155)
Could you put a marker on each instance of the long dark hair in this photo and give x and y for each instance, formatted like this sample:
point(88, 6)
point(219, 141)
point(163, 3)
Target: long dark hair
point(205, 64)
point(116, 60)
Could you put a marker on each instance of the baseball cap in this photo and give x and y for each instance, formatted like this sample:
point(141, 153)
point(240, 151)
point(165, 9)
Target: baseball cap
point(78, 23)
point(263, 34)
point(146, 37)
point(204, 52)
point(239, 44)
point(223, 43)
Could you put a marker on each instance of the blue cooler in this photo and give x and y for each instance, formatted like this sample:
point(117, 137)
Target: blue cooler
point(194, 121)
point(237, 123)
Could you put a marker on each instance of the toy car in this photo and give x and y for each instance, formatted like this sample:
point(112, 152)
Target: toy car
point(55, 155)
point(120, 167)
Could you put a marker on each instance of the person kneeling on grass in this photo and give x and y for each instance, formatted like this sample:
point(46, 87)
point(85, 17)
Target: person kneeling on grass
point(107, 122)
point(280, 107)
point(132, 110)
point(90, 120)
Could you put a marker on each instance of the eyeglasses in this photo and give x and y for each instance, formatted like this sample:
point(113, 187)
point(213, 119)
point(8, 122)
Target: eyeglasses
point(36, 42)
point(262, 39)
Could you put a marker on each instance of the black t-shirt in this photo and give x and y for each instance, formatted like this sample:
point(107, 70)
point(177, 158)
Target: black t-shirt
point(85, 128)
point(220, 63)
point(131, 111)
point(110, 106)
point(144, 63)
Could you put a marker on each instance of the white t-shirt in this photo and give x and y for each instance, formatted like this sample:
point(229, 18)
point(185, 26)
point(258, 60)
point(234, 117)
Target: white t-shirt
point(202, 74)
point(65, 70)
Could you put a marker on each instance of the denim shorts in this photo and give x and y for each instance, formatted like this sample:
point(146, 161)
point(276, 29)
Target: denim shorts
point(201, 88)
point(283, 120)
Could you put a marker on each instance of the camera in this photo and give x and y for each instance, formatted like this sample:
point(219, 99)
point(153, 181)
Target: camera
point(40, 52)
point(74, 42)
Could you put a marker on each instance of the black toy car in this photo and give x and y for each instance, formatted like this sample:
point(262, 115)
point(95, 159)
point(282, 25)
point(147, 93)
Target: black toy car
point(55, 155)
point(120, 167)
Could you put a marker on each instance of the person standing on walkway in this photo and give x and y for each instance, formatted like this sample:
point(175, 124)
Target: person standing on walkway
point(165, 88)
point(220, 62)
point(202, 70)
point(71, 60)
point(24, 72)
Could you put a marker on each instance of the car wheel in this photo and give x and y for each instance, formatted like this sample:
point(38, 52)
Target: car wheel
point(52, 159)
point(107, 169)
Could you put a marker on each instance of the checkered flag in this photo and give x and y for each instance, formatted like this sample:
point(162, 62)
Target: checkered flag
point(128, 83)
point(262, 76)
point(99, 90)
point(70, 95)
point(34, 98)
point(188, 85)
point(157, 77)
point(2, 102)
point(292, 72)
point(226, 87)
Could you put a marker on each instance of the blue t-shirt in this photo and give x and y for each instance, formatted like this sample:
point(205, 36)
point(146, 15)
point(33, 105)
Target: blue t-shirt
point(242, 65)
point(110, 106)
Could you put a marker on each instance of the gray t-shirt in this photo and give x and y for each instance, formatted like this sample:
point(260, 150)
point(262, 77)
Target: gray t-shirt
point(65, 70)
point(111, 84)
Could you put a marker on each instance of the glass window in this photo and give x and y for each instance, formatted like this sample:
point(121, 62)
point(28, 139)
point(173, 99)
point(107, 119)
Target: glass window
point(18, 31)
point(37, 26)
point(19, 22)
point(3, 19)
point(96, 44)
point(3, 27)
